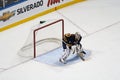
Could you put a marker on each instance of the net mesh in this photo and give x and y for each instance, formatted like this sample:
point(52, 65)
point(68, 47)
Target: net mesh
point(46, 39)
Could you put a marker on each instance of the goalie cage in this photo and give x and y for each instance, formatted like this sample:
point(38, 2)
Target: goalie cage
point(45, 37)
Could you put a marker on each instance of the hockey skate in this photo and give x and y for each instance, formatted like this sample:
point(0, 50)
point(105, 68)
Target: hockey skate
point(62, 60)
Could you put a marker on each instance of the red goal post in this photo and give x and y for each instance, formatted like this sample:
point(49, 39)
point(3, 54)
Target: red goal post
point(47, 25)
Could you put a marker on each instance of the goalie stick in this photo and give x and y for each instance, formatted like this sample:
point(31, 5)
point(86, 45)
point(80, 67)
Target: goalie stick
point(81, 56)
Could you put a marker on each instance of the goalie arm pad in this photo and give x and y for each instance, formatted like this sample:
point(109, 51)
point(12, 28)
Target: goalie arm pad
point(77, 41)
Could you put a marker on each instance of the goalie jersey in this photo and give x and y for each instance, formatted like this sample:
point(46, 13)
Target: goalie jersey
point(71, 39)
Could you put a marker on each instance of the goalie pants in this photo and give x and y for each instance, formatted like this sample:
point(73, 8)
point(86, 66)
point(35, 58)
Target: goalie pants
point(67, 51)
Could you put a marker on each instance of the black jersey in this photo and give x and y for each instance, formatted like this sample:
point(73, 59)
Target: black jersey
point(71, 39)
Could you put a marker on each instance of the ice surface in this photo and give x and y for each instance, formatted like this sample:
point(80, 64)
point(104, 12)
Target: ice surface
point(92, 17)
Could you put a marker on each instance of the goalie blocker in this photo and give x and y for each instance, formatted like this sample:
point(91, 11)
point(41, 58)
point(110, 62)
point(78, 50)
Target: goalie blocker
point(70, 40)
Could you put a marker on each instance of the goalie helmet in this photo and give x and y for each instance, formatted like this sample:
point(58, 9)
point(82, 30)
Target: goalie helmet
point(77, 35)
point(67, 34)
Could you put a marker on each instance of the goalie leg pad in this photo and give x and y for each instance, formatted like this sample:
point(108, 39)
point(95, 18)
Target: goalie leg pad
point(65, 56)
point(80, 52)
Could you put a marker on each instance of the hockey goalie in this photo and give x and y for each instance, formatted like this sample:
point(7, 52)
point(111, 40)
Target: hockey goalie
point(71, 44)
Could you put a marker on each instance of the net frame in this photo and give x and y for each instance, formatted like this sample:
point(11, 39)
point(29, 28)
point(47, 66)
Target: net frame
point(47, 25)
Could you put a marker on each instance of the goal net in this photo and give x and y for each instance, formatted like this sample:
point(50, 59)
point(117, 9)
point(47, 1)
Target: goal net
point(45, 37)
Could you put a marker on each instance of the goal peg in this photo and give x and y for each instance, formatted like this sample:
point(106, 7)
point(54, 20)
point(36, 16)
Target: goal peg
point(41, 22)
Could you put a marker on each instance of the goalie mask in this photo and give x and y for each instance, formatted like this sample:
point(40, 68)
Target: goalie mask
point(67, 34)
point(77, 35)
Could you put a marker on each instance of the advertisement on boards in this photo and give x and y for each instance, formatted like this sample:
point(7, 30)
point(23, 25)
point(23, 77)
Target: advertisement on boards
point(12, 11)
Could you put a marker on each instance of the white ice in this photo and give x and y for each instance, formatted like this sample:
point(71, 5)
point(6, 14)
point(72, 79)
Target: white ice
point(99, 23)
